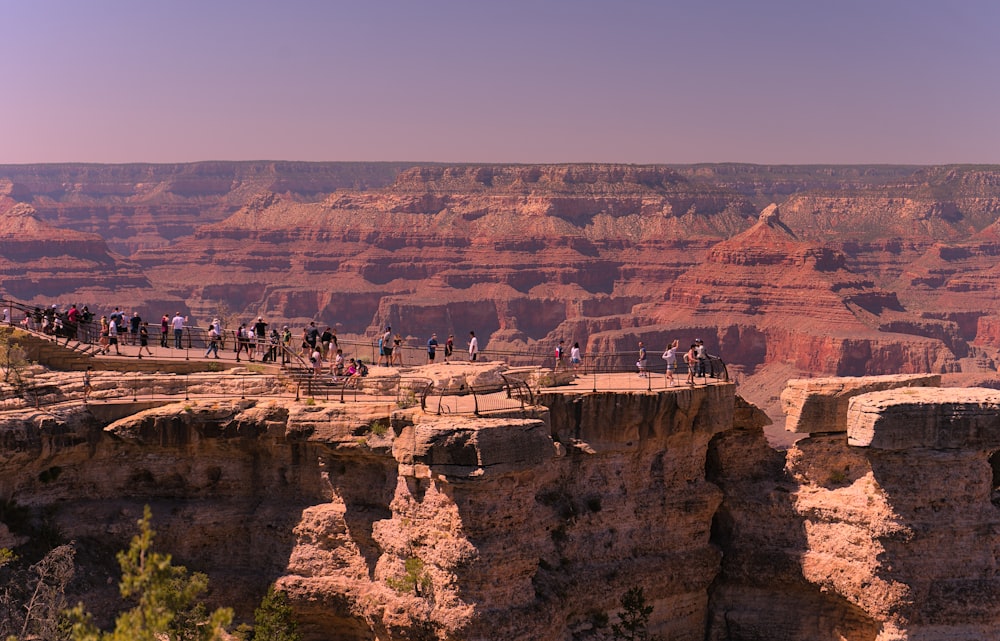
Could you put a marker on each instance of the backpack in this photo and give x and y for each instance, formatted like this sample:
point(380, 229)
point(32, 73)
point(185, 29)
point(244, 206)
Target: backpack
point(362, 369)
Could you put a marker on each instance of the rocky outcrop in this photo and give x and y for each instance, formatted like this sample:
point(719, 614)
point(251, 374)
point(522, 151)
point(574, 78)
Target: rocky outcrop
point(390, 523)
point(815, 405)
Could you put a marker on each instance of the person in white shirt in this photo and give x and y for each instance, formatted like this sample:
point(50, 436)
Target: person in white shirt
point(473, 346)
point(177, 323)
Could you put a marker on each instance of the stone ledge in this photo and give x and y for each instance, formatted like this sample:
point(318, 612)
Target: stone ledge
point(937, 418)
point(814, 405)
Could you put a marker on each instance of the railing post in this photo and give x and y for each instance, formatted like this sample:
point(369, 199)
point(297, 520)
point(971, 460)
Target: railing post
point(187, 397)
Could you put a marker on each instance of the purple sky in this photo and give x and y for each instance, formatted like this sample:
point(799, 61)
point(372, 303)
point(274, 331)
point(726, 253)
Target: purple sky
point(765, 81)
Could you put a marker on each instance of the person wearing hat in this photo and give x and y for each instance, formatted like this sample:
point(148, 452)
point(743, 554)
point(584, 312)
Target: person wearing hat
point(432, 345)
point(286, 343)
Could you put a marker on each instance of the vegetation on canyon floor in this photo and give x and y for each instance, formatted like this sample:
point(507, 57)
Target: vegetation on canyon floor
point(164, 600)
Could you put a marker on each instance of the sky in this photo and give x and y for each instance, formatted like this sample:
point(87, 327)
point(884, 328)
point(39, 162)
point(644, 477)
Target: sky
point(539, 81)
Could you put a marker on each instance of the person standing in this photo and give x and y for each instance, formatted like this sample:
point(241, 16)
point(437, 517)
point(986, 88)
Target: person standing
point(397, 350)
point(385, 347)
point(449, 347)
point(312, 336)
point(473, 346)
point(691, 360)
point(670, 356)
point(641, 363)
point(574, 356)
point(260, 333)
point(136, 323)
point(164, 328)
point(286, 343)
point(105, 335)
point(701, 355)
point(325, 339)
point(177, 322)
point(432, 345)
point(560, 355)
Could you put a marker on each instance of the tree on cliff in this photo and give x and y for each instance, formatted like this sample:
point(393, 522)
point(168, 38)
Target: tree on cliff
point(273, 620)
point(12, 359)
point(166, 599)
point(634, 617)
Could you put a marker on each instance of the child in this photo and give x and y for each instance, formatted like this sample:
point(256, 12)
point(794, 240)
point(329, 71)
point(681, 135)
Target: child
point(691, 360)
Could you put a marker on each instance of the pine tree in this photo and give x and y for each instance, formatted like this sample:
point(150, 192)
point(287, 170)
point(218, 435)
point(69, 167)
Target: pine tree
point(273, 620)
point(634, 617)
point(166, 596)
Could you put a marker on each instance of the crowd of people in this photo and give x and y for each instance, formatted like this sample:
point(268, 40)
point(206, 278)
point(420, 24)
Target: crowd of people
point(259, 341)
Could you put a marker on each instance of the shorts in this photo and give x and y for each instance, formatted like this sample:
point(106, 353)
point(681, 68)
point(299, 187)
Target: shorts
point(386, 351)
point(430, 356)
point(671, 367)
point(575, 361)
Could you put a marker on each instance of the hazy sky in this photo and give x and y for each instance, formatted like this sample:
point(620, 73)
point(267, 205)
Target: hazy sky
point(766, 81)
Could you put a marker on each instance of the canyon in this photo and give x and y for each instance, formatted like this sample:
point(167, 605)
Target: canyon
point(783, 271)
point(878, 524)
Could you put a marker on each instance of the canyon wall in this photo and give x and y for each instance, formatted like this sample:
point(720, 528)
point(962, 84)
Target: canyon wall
point(383, 523)
point(782, 271)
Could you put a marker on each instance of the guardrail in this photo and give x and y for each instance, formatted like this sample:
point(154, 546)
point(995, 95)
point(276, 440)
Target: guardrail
point(405, 391)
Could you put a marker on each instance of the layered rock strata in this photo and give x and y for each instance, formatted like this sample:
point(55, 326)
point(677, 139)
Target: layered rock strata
point(387, 523)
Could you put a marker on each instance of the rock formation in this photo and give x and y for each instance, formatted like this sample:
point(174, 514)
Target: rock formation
point(396, 523)
point(853, 271)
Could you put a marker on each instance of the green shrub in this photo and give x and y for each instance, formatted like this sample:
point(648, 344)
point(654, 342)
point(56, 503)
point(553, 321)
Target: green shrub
point(414, 581)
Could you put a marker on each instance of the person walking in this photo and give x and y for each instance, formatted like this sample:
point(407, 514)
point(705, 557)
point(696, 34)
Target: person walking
point(670, 356)
point(560, 355)
point(86, 383)
point(113, 335)
point(213, 341)
point(105, 341)
point(144, 339)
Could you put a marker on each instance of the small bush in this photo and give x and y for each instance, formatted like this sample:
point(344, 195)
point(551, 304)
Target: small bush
point(415, 581)
point(378, 428)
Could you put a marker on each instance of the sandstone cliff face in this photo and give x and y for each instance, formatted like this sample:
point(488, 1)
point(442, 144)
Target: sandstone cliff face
point(515, 520)
point(383, 523)
point(881, 525)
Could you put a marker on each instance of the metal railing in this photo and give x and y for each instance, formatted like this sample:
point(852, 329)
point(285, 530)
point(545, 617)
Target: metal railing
point(466, 398)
